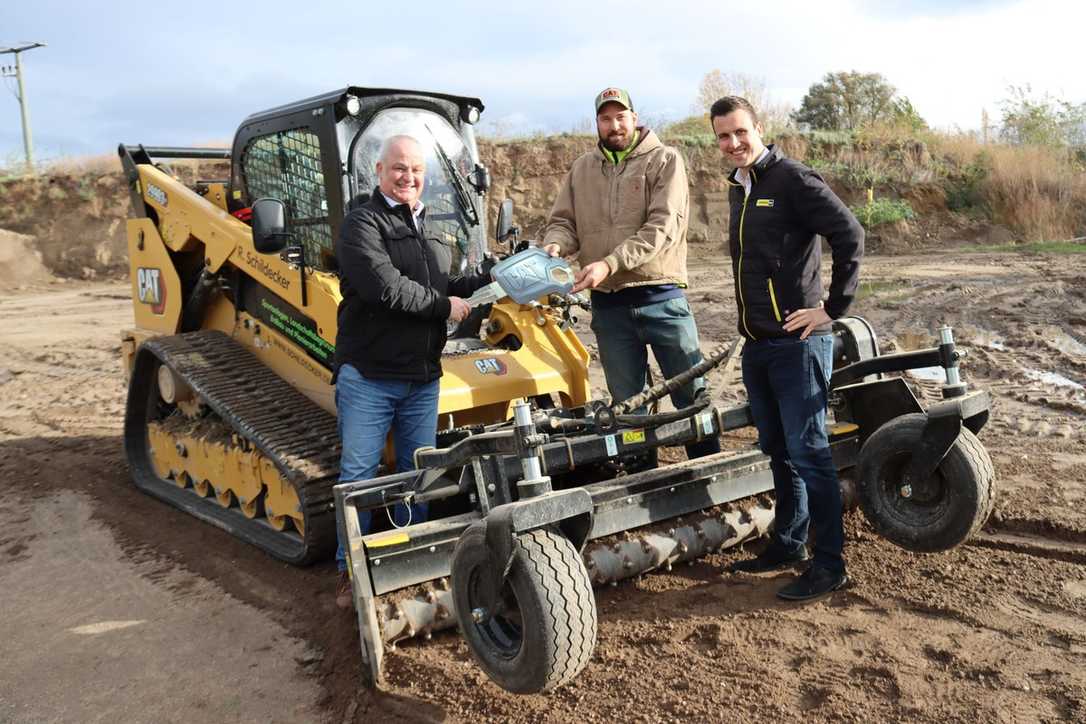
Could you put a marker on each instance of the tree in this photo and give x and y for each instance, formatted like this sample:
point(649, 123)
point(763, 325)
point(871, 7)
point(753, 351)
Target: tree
point(1044, 121)
point(715, 85)
point(852, 100)
point(905, 115)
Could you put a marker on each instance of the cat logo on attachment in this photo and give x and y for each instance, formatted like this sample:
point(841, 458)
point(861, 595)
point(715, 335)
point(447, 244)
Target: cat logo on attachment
point(491, 366)
point(150, 290)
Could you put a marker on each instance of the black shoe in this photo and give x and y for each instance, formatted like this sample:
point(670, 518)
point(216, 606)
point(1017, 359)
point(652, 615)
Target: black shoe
point(771, 559)
point(816, 581)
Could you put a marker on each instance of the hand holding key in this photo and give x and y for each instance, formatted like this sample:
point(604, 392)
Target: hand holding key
point(458, 309)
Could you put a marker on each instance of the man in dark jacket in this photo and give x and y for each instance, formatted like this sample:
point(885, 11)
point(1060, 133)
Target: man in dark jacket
point(779, 207)
point(397, 298)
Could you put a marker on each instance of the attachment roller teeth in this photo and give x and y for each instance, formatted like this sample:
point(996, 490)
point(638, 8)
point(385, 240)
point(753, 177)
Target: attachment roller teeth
point(607, 562)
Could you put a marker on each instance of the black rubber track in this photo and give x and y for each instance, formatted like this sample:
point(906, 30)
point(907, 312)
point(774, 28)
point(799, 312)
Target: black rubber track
point(299, 437)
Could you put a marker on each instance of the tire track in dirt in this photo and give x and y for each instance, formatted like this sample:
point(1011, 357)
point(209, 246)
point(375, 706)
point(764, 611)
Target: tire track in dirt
point(992, 631)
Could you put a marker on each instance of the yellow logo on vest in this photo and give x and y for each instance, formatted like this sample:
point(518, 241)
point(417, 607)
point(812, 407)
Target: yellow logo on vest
point(764, 202)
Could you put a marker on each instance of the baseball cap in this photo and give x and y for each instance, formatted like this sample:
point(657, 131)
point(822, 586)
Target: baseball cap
point(614, 95)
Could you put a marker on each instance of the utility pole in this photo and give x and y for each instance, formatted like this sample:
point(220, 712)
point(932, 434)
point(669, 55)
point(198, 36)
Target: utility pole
point(17, 73)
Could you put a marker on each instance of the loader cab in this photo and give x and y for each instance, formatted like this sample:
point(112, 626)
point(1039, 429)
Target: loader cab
point(318, 156)
point(454, 207)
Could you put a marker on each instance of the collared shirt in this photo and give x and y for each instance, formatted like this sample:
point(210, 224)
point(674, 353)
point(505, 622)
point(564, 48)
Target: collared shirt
point(742, 175)
point(414, 213)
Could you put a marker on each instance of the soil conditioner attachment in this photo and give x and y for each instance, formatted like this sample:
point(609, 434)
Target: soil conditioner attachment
point(550, 514)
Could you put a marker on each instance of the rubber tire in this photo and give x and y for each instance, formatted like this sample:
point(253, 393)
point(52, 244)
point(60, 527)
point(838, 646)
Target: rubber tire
point(966, 493)
point(557, 608)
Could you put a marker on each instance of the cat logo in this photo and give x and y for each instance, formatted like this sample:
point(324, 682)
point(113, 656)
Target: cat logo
point(491, 366)
point(150, 290)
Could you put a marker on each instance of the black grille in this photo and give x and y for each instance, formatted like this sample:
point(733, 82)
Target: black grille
point(287, 166)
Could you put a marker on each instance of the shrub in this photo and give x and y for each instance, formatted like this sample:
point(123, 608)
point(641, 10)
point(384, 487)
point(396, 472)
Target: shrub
point(965, 186)
point(693, 127)
point(883, 211)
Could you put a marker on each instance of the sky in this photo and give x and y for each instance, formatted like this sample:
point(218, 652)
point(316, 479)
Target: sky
point(183, 73)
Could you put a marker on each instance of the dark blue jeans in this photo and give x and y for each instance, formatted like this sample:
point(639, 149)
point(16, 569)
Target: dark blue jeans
point(788, 383)
point(623, 335)
point(367, 408)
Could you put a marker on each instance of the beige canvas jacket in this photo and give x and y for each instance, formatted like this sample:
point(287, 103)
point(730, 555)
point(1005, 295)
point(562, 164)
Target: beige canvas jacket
point(632, 215)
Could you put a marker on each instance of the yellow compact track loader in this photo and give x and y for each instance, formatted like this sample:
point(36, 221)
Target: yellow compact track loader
point(532, 499)
point(231, 414)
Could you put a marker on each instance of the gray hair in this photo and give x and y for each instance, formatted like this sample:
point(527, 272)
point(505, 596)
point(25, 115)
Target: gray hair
point(388, 143)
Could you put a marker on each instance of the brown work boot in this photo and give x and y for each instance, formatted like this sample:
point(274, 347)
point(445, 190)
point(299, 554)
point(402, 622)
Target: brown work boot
point(344, 592)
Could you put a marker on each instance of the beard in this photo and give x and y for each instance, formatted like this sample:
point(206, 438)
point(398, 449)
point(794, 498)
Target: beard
point(615, 142)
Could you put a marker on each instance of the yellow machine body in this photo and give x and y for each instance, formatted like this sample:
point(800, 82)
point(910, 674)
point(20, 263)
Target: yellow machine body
point(186, 233)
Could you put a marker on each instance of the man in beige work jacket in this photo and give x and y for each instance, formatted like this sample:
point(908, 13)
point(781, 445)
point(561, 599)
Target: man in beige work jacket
point(622, 211)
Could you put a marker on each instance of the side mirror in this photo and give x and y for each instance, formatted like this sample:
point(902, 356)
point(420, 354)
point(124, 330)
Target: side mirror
point(269, 225)
point(505, 229)
point(480, 178)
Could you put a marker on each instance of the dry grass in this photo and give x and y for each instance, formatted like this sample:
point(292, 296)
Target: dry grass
point(100, 165)
point(885, 158)
point(1039, 191)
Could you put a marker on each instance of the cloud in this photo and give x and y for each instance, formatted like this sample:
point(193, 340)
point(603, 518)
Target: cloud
point(177, 74)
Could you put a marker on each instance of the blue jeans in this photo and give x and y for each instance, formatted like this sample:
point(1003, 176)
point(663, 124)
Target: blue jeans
point(788, 383)
point(367, 408)
point(623, 334)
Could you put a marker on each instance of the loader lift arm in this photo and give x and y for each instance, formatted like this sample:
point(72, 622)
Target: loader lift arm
point(138, 154)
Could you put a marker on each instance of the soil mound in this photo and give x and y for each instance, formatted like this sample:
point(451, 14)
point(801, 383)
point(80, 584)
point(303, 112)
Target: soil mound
point(20, 262)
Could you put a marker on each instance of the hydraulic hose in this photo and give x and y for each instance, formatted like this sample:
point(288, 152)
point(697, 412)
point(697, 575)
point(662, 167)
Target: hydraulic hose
point(617, 415)
point(192, 316)
point(666, 387)
point(662, 418)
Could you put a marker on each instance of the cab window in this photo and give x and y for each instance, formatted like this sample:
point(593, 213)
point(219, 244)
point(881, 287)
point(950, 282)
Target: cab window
point(287, 165)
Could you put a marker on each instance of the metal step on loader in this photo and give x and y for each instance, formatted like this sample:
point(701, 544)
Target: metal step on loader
point(515, 573)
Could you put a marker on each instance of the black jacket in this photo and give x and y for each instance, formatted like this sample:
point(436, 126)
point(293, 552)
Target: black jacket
point(395, 285)
point(776, 255)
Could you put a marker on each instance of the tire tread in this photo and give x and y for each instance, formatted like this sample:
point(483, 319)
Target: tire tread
point(968, 459)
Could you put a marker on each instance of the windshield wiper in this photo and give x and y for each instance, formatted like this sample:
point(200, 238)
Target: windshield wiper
point(467, 209)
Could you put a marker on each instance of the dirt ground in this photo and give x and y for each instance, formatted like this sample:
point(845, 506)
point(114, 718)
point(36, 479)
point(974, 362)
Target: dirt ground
point(117, 608)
